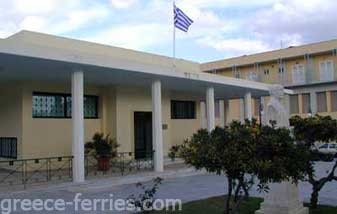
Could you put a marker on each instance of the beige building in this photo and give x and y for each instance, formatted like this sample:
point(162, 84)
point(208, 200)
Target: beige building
point(309, 70)
point(55, 93)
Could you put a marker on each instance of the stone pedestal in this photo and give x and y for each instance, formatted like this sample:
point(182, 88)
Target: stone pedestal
point(283, 198)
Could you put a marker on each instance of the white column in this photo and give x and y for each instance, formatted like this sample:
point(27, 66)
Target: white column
point(287, 103)
point(157, 131)
point(263, 104)
point(78, 126)
point(313, 103)
point(203, 115)
point(227, 112)
point(222, 113)
point(248, 106)
point(242, 111)
point(210, 109)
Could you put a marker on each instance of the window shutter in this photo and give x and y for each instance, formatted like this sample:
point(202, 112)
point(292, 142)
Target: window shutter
point(321, 102)
point(334, 101)
point(294, 104)
point(306, 103)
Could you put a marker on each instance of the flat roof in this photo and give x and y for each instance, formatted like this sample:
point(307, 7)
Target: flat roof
point(30, 55)
point(286, 53)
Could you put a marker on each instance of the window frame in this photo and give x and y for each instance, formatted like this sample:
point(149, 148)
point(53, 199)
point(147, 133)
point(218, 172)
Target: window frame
point(65, 107)
point(175, 117)
point(298, 75)
point(324, 75)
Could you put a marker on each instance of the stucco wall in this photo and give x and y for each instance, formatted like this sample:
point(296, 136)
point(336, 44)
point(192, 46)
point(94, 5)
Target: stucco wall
point(182, 129)
point(50, 137)
point(11, 113)
point(133, 99)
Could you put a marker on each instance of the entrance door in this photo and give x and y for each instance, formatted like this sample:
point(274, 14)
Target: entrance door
point(143, 134)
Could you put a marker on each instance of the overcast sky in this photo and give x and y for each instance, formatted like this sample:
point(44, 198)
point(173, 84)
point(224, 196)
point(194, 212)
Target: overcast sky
point(222, 28)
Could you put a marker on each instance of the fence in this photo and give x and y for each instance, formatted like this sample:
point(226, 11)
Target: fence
point(35, 171)
point(29, 172)
point(124, 163)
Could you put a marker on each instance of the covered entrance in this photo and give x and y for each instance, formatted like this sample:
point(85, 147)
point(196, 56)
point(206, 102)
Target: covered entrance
point(143, 134)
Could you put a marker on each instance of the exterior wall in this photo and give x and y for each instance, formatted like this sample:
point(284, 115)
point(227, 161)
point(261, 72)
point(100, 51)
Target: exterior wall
point(289, 63)
point(44, 137)
point(323, 88)
point(132, 99)
point(11, 113)
point(273, 78)
point(51, 137)
point(234, 110)
point(181, 129)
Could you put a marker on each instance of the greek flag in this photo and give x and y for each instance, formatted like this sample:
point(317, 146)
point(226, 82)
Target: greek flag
point(181, 20)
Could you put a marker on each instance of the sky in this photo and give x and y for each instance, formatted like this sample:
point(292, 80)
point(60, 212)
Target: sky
point(221, 28)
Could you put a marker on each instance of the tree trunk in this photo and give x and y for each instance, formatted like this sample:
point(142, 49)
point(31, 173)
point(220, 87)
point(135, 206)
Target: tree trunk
point(314, 198)
point(237, 192)
point(229, 196)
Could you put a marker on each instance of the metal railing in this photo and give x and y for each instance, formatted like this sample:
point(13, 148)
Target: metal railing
point(22, 173)
point(124, 163)
point(8, 147)
point(35, 171)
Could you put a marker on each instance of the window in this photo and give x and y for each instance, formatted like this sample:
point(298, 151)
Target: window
point(298, 74)
point(90, 106)
point(294, 109)
point(252, 76)
point(334, 101)
point(321, 102)
point(266, 71)
point(333, 146)
point(326, 70)
point(324, 146)
point(8, 147)
point(182, 109)
point(282, 72)
point(50, 105)
point(237, 74)
point(306, 103)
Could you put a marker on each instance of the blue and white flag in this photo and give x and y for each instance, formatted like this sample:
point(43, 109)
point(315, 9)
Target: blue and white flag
point(181, 20)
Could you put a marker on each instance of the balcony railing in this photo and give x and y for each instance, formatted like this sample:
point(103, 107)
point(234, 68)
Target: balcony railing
point(284, 79)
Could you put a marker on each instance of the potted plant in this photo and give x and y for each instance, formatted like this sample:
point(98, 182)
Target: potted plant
point(103, 148)
point(173, 152)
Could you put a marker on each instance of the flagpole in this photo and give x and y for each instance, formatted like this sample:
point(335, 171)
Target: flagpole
point(174, 39)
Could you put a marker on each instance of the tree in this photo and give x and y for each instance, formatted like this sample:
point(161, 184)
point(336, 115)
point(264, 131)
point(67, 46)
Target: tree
point(242, 150)
point(308, 131)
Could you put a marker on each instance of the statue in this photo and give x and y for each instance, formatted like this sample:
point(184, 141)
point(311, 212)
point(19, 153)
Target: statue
point(283, 198)
point(275, 110)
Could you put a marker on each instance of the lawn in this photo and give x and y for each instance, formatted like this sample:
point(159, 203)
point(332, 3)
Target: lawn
point(215, 205)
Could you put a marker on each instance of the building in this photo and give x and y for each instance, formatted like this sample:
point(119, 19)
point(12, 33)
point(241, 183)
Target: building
point(309, 70)
point(55, 93)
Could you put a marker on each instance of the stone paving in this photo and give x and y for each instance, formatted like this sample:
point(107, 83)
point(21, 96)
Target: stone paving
point(186, 185)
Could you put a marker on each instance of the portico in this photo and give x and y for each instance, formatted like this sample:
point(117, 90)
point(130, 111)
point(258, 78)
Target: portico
point(123, 81)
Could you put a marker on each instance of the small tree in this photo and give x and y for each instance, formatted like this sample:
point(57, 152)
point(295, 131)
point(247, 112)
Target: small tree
point(308, 131)
point(143, 202)
point(244, 149)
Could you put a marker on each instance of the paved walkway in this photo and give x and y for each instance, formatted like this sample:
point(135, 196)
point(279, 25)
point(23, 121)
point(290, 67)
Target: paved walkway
point(192, 186)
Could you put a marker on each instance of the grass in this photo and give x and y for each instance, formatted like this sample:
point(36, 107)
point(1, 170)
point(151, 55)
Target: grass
point(216, 205)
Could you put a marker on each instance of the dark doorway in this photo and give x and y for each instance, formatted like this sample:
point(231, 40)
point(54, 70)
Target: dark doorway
point(143, 134)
